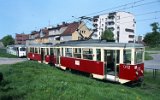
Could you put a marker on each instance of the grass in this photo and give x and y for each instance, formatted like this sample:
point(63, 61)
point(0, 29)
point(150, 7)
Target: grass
point(4, 54)
point(148, 56)
point(152, 48)
point(34, 81)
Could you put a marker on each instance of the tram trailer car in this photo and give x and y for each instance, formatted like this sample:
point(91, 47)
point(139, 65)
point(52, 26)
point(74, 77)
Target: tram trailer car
point(41, 53)
point(118, 62)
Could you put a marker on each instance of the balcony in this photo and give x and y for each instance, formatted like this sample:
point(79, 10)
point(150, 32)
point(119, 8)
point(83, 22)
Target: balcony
point(95, 25)
point(112, 14)
point(95, 20)
point(110, 23)
point(95, 17)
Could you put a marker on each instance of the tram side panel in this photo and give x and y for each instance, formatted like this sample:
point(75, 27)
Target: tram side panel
point(34, 56)
point(50, 59)
point(94, 67)
point(131, 72)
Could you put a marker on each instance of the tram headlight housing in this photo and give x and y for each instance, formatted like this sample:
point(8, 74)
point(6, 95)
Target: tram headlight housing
point(135, 67)
point(136, 73)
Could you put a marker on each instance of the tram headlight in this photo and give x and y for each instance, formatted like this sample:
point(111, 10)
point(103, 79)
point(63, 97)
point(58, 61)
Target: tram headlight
point(135, 67)
point(136, 73)
point(142, 71)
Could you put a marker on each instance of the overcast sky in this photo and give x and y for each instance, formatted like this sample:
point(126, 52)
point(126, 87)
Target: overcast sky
point(17, 16)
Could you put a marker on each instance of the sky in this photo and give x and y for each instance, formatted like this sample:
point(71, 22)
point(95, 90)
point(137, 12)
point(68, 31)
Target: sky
point(24, 16)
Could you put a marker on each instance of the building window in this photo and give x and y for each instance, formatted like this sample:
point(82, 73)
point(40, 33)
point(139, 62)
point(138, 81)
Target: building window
point(118, 17)
point(130, 41)
point(102, 25)
point(102, 19)
point(129, 30)
point(131, 36)
point(133, 25)
point(111, 17)
point(111, 28)
point(118, 36)
point(110, 23)
point(95, 20)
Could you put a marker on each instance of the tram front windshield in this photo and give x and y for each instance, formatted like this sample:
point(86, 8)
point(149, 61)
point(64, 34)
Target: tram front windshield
point(22, 49)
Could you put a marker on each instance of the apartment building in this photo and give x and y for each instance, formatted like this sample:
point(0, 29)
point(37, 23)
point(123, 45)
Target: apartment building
point(122, 24)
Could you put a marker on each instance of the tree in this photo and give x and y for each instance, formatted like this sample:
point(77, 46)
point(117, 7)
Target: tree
point(152, 39)
point(155, 27)
point(107, 35)
point(7, 40)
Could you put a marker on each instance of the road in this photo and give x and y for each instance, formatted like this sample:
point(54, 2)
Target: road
point(11, 60)
point(155, 63)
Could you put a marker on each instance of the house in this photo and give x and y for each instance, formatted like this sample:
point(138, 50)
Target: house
point(34, 35)
point(43, 36)
point(75, 31)
point(60, 33)
point(68, 31)
point(21, 38)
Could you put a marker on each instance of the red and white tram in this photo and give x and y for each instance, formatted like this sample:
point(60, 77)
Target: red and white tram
point(118, 62)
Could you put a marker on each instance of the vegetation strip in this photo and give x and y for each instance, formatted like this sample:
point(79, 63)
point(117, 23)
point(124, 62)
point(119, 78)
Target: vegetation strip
point(32, 80)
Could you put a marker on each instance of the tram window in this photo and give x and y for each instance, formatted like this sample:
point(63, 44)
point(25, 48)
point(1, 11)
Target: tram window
point(47, 51)
point(118, 56)
point(51, 51)
point(127, 56)
point(32, 50)
point(68, 52)
point(28, 50)
point(98, 54)
point(15, 49)
point(36, 50)
point(87, 53)
point(39, 50)
point(62, 52)
point(22, 49)
point(139, 56)
point(77, 52)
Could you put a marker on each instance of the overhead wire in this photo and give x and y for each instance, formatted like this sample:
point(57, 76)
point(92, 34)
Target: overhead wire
point(130, 5)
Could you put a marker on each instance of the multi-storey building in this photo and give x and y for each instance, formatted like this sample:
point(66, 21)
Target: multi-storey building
point(21, 38)
point(122, 24)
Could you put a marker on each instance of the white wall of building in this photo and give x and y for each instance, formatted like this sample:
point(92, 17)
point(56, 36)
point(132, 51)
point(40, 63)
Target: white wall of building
point(122, 23)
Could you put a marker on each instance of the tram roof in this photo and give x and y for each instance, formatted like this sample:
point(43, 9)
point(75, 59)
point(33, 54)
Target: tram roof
point(40, 45)
point(97, 43)
point(16, 45)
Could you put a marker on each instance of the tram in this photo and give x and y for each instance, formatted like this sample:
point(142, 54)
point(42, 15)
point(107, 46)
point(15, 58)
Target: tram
point(118, 62)
point(17, 50)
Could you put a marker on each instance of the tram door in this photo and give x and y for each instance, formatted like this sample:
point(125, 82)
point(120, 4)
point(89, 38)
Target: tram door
point(57, 55)
point(42, 55)
point(111, 58)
